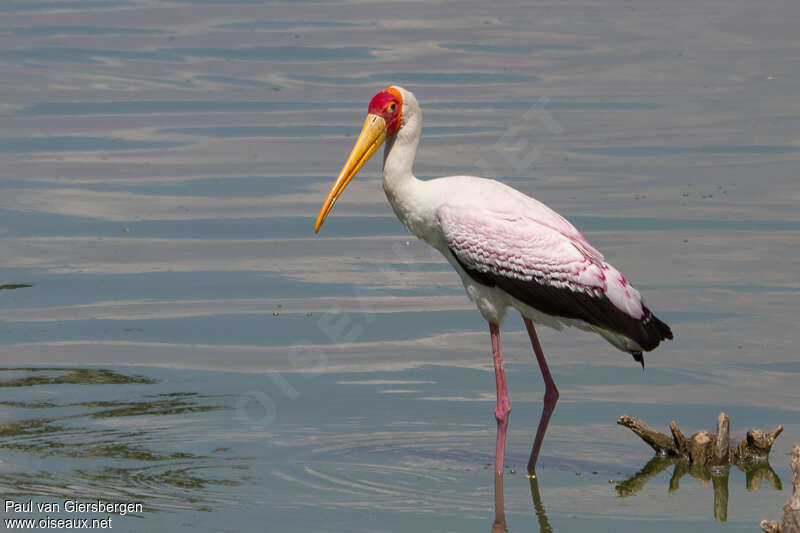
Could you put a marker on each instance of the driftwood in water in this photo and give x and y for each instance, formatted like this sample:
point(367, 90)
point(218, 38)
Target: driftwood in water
point(791, 511)
point(705, 448)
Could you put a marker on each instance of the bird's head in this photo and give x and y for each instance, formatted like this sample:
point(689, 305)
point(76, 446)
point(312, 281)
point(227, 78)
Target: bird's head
point(385, 117)
point(388, 105)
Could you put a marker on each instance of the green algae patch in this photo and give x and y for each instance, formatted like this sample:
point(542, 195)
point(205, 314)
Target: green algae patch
point(72, 376)
point(158, 407)
point(36, 426)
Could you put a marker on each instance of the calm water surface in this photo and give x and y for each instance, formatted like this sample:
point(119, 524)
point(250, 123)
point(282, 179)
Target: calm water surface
point(172, 332)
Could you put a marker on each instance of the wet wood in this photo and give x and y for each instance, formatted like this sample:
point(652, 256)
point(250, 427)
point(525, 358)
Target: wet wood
point(722, 441)
point(700, 447)
point(662, 444)
point(703, 447)
point(678, 437)
point(758, 444)
point(791, 511)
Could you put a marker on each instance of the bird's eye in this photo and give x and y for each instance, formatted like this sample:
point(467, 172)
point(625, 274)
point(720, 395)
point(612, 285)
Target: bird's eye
point(392, 107)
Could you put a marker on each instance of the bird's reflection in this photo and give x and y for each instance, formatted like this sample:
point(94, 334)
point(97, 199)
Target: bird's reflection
point(544, 525)
point(755, 473)
point(499, 524)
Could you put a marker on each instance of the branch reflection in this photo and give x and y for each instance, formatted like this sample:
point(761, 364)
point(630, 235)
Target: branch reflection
point(755, 473)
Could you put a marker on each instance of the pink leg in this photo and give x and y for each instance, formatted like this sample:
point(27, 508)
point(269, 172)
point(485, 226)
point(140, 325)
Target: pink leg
point(550, 396)
point(503, 407)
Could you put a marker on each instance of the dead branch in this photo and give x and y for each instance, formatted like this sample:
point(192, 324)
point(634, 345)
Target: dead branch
point(662, 444)
point(791, 511)
point(722, 441)
point(758, 444)
point(703, 447)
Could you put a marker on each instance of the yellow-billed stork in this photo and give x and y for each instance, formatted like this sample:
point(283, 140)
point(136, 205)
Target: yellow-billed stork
point(509, 249)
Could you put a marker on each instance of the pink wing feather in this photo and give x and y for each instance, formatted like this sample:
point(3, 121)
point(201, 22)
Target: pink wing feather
point(522, 248)
point(518, 205)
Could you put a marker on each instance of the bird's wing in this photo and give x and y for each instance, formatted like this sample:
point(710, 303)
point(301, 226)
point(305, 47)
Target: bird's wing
point(519, 247)
point(545, 269)
point(518, 204)
point(499, 200)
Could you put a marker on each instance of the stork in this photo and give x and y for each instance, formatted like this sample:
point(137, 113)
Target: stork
point(509, 249)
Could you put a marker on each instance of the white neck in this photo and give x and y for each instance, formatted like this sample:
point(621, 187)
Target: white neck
point(398, 158)
point(398, 180)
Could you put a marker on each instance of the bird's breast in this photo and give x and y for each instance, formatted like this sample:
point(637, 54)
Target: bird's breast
point(416, 210)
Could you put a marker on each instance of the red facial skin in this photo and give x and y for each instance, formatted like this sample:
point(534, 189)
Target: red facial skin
point(388, 104)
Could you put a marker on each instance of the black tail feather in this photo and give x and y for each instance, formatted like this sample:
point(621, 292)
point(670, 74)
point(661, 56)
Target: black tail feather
point(653, 330)
point(663, 329)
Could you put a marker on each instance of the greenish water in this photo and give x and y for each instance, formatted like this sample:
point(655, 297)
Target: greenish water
point(359, 449)
point(172, 333)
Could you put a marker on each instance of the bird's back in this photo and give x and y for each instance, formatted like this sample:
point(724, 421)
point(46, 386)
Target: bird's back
point(505, 239)
point(507, 202)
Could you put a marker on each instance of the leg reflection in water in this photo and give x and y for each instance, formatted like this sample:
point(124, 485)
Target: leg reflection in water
point(544, 525)
point(499, 524)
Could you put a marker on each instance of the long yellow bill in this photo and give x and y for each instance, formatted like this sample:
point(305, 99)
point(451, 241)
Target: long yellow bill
point(372, 136)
